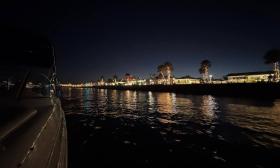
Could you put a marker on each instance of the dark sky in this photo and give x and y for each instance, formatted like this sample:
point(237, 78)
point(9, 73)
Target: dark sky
point(94, 38)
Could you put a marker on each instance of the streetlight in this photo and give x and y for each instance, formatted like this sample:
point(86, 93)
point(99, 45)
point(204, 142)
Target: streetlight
point(210, 77)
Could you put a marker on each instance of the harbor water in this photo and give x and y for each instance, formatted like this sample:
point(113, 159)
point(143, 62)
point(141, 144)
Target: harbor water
point(109, 128)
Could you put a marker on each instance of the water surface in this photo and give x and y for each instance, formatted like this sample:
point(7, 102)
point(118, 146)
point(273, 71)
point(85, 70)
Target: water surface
point(131, 128)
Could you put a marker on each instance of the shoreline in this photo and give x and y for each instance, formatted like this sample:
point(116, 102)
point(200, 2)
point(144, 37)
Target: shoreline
point(257, 90)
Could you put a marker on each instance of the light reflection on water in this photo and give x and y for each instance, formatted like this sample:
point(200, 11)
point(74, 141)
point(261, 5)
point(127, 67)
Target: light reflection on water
point(203, 123)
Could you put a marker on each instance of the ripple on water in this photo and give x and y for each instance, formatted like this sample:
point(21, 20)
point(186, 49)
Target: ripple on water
point(208, 130)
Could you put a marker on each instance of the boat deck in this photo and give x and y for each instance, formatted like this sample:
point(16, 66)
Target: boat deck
point(35, 135)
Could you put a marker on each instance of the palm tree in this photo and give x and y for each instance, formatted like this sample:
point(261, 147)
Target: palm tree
point(160, 70)
point(168, 68)
point(204, 69)
point(101, 78)
point(115, 78)
point(202, 72)
point(273, 57)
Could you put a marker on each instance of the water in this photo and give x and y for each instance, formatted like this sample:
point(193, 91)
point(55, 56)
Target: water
point(130, 129)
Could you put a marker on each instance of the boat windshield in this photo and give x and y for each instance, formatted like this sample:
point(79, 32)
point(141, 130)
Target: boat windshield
point(24, 83)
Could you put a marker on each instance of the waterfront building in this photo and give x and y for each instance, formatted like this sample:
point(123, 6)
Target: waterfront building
point(150, 82)
point(186, 80)
point(160, 81)
point(129, 79)
point(141, 82)
point(250, 77)
point(119, 83)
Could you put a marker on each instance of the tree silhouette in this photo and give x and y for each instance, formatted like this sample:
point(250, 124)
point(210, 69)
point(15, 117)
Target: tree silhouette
point(115, 78)
point(204, 69)
point(273, 57)
point(101, 78)
point(160, 70)
point(168, 69)
point(165, 72)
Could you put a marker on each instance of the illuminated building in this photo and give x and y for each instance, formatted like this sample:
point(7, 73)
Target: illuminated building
point(250, 77)
point(186, 80)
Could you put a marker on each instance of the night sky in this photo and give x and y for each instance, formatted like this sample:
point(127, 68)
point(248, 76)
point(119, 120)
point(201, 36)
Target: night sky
point(97, 38)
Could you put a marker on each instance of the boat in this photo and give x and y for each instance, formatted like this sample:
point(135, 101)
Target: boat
point(33, 129)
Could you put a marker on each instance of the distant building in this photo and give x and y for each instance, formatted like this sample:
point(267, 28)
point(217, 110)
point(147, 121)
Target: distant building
point(150, 81)
point(120, 83)
point(160, 81)
point(129, 80)
point(250, 77)
point(186, 80)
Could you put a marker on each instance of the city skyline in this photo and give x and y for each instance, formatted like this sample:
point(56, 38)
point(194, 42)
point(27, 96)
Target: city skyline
point(268, 68)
